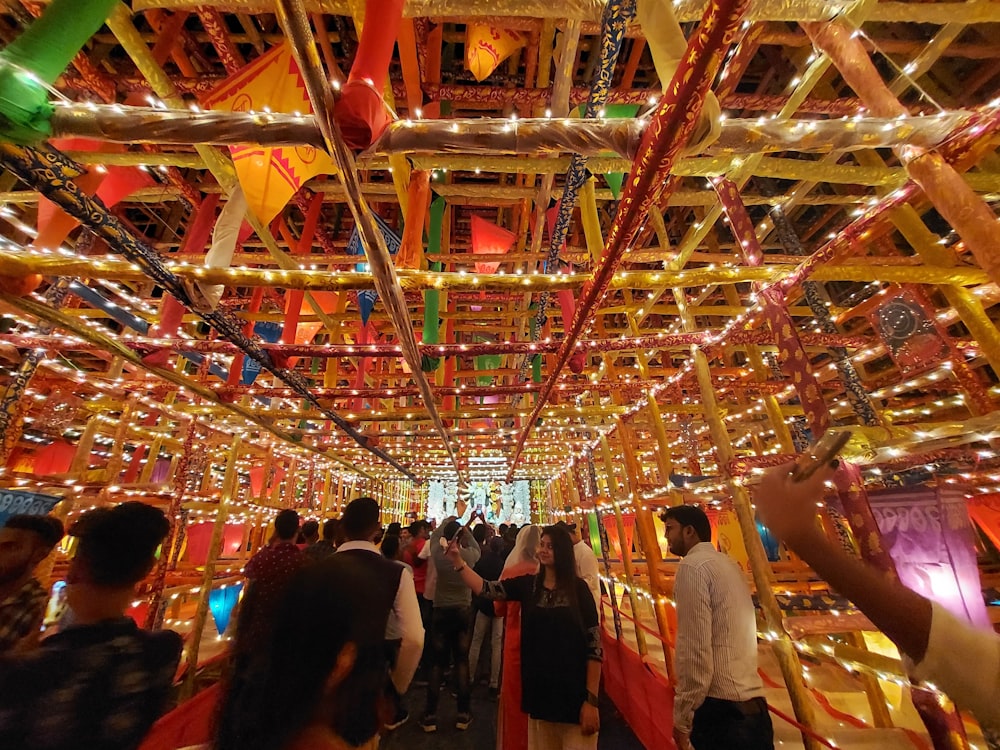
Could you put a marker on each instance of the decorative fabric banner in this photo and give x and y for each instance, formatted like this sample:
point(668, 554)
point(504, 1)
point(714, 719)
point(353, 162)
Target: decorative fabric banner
point(199, 537)
point(360, 111)
point(489, 239)
point(628, 522)
point(44, 50)
point(930, 537)
point(221, 601)
point(793, 354)
point(727, 537)
point(257, 479)
point(432, 298)
point(270, 176)
point(266, 331)
point(616, 111)
point(594, 534)
point(910, 332)
point(17, 502)
point(487, 46)
point(54, 458)
point(487, 364)
point(367, 297)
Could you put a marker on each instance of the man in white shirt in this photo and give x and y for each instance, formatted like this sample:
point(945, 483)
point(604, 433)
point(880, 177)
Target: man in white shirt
point(360, 524)
point(719, 703)
point(586, 564)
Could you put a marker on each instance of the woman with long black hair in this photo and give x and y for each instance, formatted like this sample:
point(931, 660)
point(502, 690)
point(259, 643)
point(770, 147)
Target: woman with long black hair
point(560, 644)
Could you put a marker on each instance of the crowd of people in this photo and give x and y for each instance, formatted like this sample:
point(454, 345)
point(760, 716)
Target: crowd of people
point(338, 623)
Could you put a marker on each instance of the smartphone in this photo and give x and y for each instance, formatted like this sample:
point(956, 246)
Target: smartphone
point(821, 453)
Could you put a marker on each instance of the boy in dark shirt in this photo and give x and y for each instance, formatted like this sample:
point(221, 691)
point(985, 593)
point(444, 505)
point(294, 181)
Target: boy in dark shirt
point(102, 682)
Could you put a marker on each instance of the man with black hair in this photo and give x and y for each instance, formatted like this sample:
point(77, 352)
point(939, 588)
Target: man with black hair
point(102, 682)
point(399, 613)
point(267, 573)
point(327, 545)
point(719, 703)
point(309, 533)
point(451, 622)
point(24, 542)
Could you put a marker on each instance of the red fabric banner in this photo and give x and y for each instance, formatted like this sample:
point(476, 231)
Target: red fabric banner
point(643, 697)
point(199, 536)
point(489, 239)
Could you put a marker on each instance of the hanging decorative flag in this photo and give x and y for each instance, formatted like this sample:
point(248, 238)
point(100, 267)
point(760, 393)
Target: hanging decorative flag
point(267, 331)
point(487, 364)
point(221, 601)
point(615, 111)
point(487, 46)
point(367, 297)
point(489, 239)
point(909, 331)
point(270, 176)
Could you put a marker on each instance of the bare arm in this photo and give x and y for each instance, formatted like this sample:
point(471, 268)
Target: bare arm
point(789, 510)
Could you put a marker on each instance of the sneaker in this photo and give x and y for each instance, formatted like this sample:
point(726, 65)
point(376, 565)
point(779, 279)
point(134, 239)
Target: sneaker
point(462, 721)
point(494, 693)
point(401, 718)
point(429, 723)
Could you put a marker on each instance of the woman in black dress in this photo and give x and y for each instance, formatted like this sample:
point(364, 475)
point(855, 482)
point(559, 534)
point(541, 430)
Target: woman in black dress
point(560, 644)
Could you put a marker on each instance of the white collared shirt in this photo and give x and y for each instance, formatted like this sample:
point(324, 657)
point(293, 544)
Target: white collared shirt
point(586, 568)
point(716, 654)
point(404, 621)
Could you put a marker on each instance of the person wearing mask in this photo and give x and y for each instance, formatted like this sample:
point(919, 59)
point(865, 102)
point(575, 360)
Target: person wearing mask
point(24, 542)
point(512, 721)
point(960, 659)
point(398, 602)
point(560, 644)
point(719, 701)
point(325, 546)
point(267, 572)
point(451, 621)
point(102, 682)
point(313, 686)
point(490, 566)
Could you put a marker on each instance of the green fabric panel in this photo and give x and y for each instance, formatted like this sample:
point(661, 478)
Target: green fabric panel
point(43, 52)
point(487, 363)
point(595, 535)
point(432, 297)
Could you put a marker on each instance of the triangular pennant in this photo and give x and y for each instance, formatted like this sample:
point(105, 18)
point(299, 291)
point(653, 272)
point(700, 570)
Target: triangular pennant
point(489, 239)
point(487, 46)
point(270, 176)
point(367, 297)
point(221, 601)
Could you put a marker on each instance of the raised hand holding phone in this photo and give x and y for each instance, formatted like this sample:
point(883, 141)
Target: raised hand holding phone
point(820, 454)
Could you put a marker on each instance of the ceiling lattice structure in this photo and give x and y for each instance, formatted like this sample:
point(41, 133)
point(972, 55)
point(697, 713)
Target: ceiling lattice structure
point(801, 202)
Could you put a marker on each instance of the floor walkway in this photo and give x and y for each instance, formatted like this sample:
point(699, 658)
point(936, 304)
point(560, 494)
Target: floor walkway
point(615, 734)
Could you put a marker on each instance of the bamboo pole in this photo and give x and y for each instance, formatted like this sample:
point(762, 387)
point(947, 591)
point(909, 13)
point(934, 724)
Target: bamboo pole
point(229, 489)
point(788, 660)
point(627, 567)
point(157, 606)
point(650, 547)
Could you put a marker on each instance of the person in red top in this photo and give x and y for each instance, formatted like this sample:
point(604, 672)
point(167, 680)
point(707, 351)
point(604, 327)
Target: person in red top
point(420, 531)
point(267, 574)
